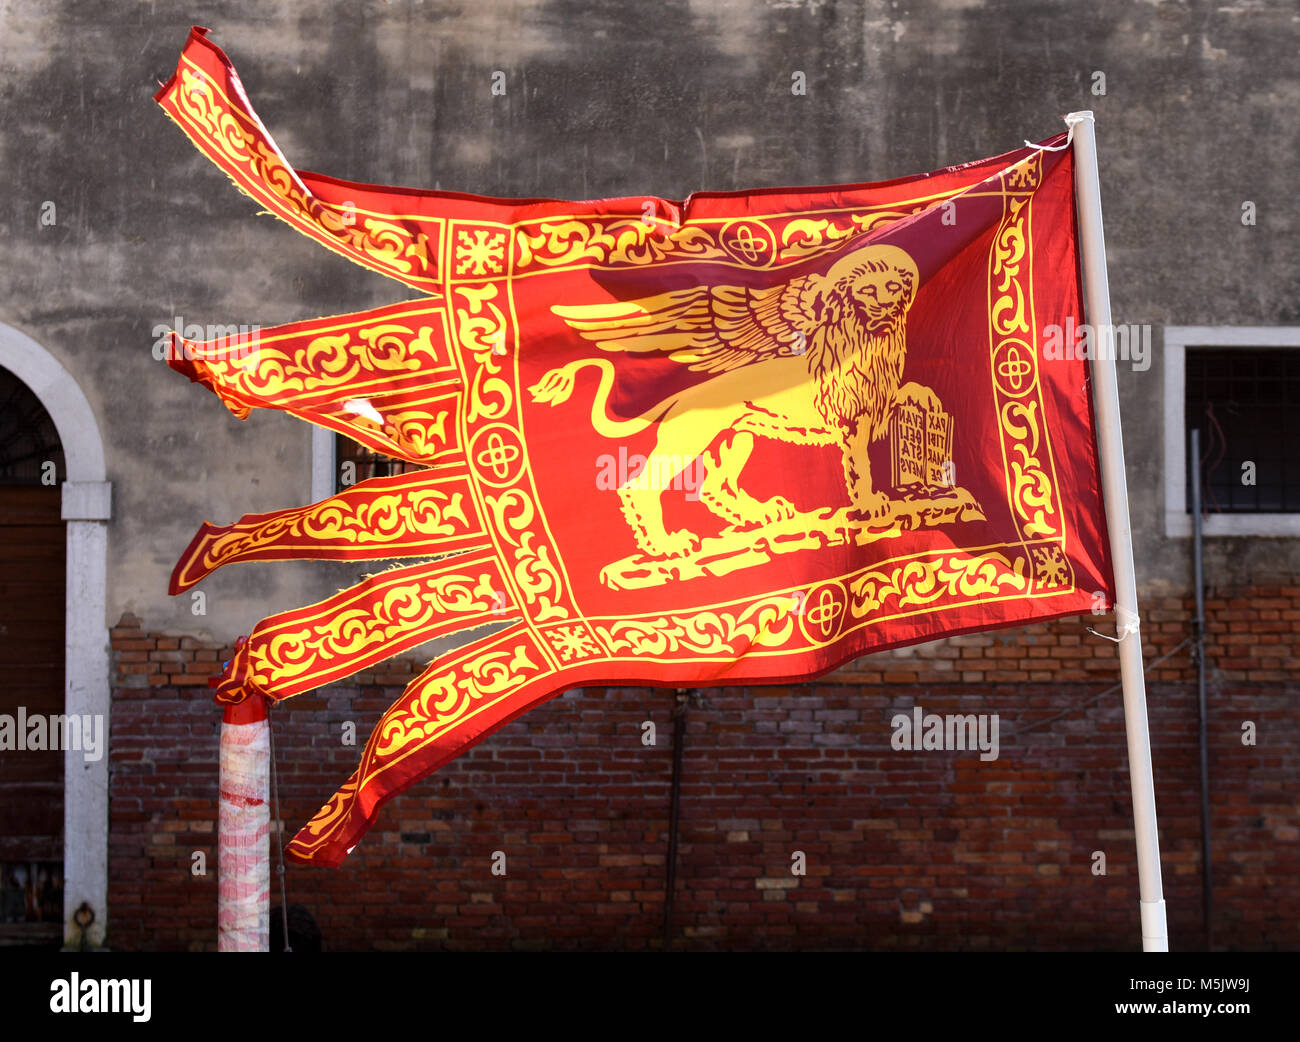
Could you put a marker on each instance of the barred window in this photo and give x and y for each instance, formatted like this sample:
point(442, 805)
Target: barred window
point(1243, 401)
point(355, 462)
point(1238, 386)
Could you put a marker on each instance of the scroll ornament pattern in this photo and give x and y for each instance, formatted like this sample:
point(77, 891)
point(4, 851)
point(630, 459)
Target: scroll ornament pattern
point(443, 700)
point(424, 518)
point(769, 622)
point(1032, 492)
point(610, 243)
point(513, 514)
point(532, 561)
point(764, 623)
point(634, 241)
point(481, 333)
point(334, 359)
point(920, 582)
point(412, 607)
point(388, 245)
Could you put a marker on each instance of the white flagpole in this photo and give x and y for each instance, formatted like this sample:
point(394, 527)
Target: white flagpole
point(1096, 291)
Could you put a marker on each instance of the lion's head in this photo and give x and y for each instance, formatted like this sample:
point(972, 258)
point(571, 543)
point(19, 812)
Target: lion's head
point(860, 307)
point(878, 282)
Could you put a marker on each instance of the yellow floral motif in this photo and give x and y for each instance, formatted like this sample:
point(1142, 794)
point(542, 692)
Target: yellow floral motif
point(336, 359)
point(806, 236)
point(1024, 176)
point(532, 563)
point(1032, 494)
point(765, 623)
point(635, 241)
point(572, 642)
point(415, 515)
point(922, 581)
point(769, 622)
point(407, 613)
point(1031, 488)
point(630, 240)
point(443, 695)
point(481, 333)
point(422, 512)
point(1008, 311)
point(480, 251)
point(1050, 566)
point(419, 433)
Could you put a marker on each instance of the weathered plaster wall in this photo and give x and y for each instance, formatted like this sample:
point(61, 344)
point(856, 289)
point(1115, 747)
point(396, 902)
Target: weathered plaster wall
point(604, 97)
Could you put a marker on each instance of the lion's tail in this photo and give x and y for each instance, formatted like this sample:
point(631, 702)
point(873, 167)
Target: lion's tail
point(557, 386)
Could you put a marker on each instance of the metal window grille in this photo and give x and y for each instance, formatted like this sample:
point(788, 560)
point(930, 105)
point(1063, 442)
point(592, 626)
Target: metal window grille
point(1246, 403)
point(355, 462)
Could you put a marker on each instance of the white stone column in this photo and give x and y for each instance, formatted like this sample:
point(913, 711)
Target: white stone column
point(87, 506)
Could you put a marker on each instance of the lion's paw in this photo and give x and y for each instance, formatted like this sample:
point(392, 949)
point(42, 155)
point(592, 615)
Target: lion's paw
point(778, 508)
point(672, 544)
point(870, 506)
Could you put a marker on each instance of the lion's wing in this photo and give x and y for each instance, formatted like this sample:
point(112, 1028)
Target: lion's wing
point(710, 329)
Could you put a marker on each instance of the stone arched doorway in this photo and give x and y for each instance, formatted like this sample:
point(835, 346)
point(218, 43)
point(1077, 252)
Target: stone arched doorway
point(84, 504)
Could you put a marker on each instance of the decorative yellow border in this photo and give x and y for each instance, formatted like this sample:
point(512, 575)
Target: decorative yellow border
point(485, 326)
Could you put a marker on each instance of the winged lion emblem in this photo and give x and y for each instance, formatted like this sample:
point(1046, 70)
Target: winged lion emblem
point(818, 360)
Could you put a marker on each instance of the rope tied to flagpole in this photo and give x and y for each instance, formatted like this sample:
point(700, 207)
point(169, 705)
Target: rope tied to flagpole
point(1127, 624)
point(1072, 120)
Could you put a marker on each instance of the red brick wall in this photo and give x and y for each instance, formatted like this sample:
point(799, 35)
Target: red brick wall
point(904, 850)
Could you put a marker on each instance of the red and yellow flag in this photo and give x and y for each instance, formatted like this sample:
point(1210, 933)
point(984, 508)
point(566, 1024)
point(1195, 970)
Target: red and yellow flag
point(742, 438)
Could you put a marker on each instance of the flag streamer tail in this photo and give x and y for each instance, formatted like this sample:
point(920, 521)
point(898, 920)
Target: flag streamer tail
point(207, 101)
point(456, 703)
point(422, 513)
point(384, 377)
point(386, 614)
point(312, 363)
